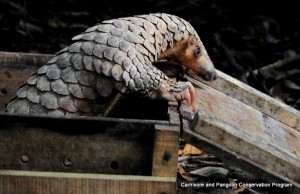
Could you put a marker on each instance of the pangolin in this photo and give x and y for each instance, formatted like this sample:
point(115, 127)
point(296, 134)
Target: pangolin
point(116, 54)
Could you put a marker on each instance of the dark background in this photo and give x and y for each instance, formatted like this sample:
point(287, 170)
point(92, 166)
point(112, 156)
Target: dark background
point(240, 36)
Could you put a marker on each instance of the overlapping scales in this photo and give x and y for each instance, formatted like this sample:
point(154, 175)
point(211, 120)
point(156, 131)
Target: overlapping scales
point(116, 53)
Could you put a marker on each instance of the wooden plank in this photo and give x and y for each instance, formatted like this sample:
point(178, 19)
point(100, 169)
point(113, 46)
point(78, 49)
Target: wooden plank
point(254, 98)
point(77, 144)
point(244, 130)
point(61, 183)
point(15, 69)
point(166, 145)
point(237, 160)
point(174, 116)
point(19, 58)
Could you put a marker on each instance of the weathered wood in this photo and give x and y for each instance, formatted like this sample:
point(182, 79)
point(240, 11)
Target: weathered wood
point(173, 113)
point(77, 144)
point(32, 59)
point(24, 182)
point(254, 98)
point(15, 69)
point(246, 131)
point(165, 157)
point(234, 159)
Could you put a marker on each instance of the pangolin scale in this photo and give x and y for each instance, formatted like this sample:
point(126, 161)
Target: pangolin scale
point(116, 54)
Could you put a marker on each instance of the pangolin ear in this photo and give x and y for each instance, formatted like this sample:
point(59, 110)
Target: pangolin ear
point(190, 43)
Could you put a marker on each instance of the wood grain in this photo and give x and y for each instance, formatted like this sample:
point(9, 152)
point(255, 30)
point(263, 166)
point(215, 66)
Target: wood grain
point(165, 157)
point(254, 98)
point(244, 130)
point(33, 182)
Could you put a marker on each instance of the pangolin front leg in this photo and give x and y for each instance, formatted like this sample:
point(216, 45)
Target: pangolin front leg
point(176, 91)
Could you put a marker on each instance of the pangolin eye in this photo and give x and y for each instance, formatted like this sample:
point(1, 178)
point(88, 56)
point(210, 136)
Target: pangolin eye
point(197, 51)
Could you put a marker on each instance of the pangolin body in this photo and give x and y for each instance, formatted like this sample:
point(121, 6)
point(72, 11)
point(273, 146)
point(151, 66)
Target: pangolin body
point(116, 54)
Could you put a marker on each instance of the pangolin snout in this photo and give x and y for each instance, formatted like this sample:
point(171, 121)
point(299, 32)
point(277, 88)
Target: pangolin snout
point(206, 69)
point(208, 75)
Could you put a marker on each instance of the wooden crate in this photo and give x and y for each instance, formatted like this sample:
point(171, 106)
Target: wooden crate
point(235, 122)
point(44, 154)
point(58, 155)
